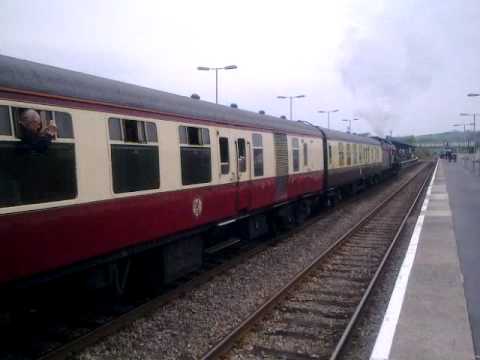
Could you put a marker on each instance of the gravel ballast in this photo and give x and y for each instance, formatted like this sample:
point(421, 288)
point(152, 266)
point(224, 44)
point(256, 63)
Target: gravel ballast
point(189, 326)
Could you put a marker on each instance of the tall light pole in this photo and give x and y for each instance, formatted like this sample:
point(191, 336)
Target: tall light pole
point(472, 115)
point(328, 114)
point(349, 129)
point(205, 68)
point(291, 102)
point(474, 133)
point(464, 131)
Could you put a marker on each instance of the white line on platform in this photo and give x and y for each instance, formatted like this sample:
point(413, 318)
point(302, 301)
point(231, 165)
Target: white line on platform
point(383, 344)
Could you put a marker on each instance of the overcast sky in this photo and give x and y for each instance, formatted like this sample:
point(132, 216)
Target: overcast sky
point(400, 65)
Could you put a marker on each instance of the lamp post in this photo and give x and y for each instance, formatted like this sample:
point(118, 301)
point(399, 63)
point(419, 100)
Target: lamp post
point(474, 125)
point(474, 133)
point(328, 114)
point(349, 128)
point(205, 68)
point(291, 102)
point(464, 131)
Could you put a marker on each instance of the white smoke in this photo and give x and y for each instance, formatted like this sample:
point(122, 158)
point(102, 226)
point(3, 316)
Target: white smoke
point(385, 68)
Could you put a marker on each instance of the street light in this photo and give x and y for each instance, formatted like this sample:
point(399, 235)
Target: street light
point(291, 102)
point(464, 131)
point(328, 114)
point(473, 115)
point(205, 68)
point(349, 128)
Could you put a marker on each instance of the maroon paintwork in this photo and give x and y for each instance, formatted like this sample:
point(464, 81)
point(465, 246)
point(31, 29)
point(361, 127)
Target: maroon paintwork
point(44, 240)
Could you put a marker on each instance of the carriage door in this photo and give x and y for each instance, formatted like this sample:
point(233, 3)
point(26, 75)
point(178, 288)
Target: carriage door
point(243, 174)
point(281, 165)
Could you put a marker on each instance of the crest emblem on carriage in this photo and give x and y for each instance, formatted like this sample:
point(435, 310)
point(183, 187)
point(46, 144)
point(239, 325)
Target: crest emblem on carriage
point(197, 207)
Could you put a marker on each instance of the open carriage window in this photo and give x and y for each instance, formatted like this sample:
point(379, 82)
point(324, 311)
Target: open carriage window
point(39, 170)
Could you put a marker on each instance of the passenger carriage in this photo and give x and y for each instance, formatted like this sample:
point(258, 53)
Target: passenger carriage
point(143, 179)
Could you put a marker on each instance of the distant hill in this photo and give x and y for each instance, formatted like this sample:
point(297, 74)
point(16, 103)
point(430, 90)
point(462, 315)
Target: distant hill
point(452, 137)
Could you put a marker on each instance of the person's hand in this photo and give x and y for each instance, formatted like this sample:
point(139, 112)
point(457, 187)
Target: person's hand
point(51, 130)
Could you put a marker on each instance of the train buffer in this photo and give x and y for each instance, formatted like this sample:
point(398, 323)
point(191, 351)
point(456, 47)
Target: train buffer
point(434, 309)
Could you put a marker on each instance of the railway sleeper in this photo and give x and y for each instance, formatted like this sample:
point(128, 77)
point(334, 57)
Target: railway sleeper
point(332, 302)
point(355, 279)
point(321, 324)
point(341, 293)
point(266, 352)
point(364, 247)
point(293, 308)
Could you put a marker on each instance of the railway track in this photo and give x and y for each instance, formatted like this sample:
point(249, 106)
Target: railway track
point(312, 316)
point(61, 340)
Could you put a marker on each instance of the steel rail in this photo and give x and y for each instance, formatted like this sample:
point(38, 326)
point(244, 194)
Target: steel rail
point(123, 320)
point(372, 283)
point(229, 341)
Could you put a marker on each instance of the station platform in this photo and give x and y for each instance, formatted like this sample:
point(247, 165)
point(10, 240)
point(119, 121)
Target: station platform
point(434, 312)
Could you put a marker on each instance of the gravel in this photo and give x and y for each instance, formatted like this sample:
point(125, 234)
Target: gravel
point(361, 342)
point(189, 326)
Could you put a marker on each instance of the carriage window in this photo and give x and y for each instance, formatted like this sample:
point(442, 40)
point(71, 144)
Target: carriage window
point(224, 155)
point(341, 156)
point(63, 121)
point(305, 154)
point(46, 117)
point(330, 154)
point(295, 154)
point(257, 155)
point(242, 155)
point(5, 125)
point(115, 129)
point(135, 161)
point(31, 175)
point(132, 131)
point(349, 154)
point(151, 130)
point(355, 154)
point(195, 156)
point(190, 135)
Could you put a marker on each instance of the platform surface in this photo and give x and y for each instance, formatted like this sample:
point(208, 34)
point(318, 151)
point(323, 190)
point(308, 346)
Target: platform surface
point(427, 315)
point(463, 185)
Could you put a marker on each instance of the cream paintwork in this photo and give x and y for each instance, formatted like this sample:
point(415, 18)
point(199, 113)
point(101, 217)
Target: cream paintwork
point(93, 162)
point(360, 148)
point(315, 152)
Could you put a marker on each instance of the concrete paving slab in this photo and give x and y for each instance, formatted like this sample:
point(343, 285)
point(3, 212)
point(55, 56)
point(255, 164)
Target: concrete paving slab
point(464, 194)
point(433, 322)
point(439, 196)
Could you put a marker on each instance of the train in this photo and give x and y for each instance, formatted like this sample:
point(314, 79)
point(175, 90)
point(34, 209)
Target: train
point(140, 184)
